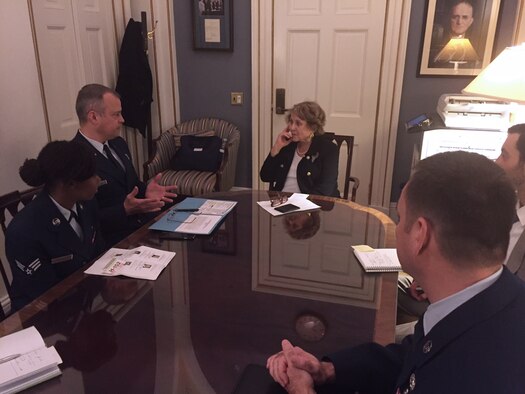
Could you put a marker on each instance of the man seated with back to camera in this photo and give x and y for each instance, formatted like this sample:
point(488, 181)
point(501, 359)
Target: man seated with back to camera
point(411, 298)
point(455, 215)
point(125, 202)
point(303, 159)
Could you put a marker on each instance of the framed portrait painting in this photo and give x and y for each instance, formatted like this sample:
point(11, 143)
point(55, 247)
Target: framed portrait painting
point(212, 24)
point(458, 36)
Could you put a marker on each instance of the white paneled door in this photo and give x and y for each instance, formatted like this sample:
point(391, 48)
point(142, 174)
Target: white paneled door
point(330, 51)
point(76, 45)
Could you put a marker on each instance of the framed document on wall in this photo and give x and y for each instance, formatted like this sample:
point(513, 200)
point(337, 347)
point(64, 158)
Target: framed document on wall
point(212, 24)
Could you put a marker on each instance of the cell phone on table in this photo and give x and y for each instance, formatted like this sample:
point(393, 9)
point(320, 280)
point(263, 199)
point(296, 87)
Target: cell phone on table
point(287, 208)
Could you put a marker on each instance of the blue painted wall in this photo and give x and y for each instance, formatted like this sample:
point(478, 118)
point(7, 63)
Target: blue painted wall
point(421, 94)
point(206, 78)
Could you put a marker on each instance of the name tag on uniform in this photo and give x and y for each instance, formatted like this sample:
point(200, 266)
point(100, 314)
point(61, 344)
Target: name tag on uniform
point(62, 259)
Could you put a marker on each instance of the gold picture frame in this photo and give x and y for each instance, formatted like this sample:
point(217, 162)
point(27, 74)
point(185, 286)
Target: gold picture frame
point(443, 23)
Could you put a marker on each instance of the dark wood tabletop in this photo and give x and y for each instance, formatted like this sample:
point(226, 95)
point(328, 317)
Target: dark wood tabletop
point(225, 302)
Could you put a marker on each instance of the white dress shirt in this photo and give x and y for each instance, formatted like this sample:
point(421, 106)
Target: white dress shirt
point(290, 184)
point(67, 213)
point(100, 147)
point(438, 310)
point(516, 230)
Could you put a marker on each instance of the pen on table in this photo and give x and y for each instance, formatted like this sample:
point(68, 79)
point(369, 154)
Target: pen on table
point(186, 210)
point(9, 358)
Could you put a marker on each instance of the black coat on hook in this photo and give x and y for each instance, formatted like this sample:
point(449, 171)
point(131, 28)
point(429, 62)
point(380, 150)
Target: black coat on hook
point(135, 83)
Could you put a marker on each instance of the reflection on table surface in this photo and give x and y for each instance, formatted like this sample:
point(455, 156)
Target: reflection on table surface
point(225, 301)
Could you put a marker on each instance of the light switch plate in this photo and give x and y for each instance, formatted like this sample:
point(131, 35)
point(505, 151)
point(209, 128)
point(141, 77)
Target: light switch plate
point(237, 98)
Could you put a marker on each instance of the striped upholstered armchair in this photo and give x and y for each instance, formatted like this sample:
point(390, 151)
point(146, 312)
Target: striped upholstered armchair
point(191, 182)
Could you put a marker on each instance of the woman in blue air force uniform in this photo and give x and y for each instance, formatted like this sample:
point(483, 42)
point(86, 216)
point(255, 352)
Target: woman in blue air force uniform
point(57, 233)
point(303, 159)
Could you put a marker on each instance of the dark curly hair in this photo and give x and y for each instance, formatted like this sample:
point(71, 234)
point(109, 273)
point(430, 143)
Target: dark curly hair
point(59, 161)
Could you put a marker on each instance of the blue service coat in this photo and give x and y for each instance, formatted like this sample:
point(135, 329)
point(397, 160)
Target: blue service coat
point(477, 348)
point(115, 185)
point(42, 248)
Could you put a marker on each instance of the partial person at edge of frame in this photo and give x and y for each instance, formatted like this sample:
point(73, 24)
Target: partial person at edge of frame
point(57, 232)
point(303, 159)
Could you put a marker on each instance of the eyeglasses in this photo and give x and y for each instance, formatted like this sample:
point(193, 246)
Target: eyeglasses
point(187, 218)
point(280, 199)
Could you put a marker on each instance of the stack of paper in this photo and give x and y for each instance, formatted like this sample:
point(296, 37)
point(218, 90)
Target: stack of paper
point(298, 199)
point(26, 361)
point(142, 263)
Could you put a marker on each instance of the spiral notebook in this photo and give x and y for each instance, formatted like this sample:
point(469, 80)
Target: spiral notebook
point(377, 260)
point(25, 361)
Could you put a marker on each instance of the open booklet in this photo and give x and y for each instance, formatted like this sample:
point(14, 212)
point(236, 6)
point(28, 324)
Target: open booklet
point(194, 216)
point(142, 263)
point(297, 202)
point(377, 260)
point(26, 361)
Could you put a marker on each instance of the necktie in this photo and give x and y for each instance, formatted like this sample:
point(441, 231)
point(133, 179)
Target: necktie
point(111, 158)
point(74, 222)
point(73, 215)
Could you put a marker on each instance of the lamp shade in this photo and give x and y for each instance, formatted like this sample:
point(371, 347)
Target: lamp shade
point(457, 50)
point(504, 78)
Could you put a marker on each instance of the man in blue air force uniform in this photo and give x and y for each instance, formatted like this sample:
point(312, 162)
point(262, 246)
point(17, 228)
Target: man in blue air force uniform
point(125, 202)
point(455, 215)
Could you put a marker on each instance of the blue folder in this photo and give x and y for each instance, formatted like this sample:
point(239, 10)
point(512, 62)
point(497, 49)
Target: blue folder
point(173, 219)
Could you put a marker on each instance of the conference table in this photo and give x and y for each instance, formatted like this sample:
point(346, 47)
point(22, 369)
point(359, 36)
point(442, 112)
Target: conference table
point(224, 302)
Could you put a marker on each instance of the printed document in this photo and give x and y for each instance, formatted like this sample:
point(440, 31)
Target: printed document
point(26, 361)
point(298, 199)
point(142, 263)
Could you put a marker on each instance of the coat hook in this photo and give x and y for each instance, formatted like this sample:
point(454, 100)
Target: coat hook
point(151, 34)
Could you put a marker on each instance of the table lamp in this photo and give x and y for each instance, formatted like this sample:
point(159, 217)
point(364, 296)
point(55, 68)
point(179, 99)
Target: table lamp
point(458, 50)
point(503, 78)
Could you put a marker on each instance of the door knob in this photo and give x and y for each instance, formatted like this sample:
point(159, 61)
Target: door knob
point(280, 98)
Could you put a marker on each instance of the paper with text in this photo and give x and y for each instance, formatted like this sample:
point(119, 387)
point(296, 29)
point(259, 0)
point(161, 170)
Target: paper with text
point(142, 263)
point(26, 361)
point(298, 199)
point(377, 260)
point(208, 214)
